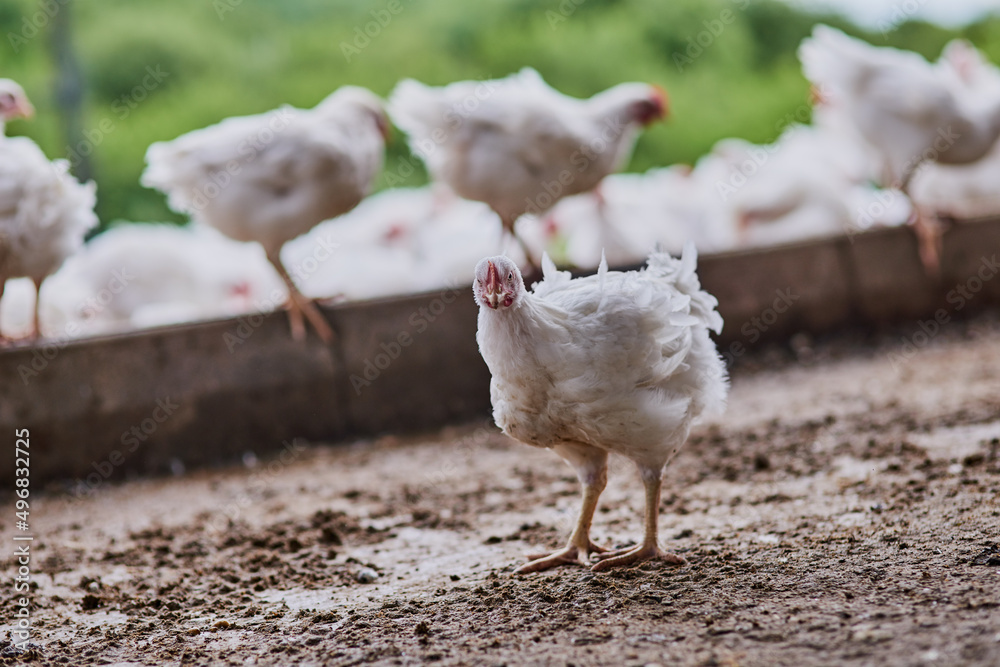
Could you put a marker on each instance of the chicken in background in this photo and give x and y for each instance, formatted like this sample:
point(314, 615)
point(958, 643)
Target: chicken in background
point(44, 211)
point(613, 362)
point(136, 276)
point(963, 191)
point(909, 110)
point(272, 177)
point(517, 144)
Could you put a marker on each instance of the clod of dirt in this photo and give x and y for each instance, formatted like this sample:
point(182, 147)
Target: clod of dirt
point(422, 628)
point(90, 602)
point(330, 536)
point(989, 556)
point(8, 651)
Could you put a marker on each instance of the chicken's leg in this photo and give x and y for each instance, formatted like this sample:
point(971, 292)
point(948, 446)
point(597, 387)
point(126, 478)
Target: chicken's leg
point(299, 305)
point(929, 231)
point(3, 281)
point(650, 547)
point(927, 227)
point(591, 466)
point(36, 328)
point(533, 269)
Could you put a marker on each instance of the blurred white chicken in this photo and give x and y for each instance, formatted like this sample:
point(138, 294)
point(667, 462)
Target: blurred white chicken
point(272, 177)
point(910, 111)
point(969, 190)
point(44, 211)
point(143, 275)
point(614, 362)
point(517, 144)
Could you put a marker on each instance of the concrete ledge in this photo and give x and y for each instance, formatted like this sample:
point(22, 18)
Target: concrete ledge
point(205, 393)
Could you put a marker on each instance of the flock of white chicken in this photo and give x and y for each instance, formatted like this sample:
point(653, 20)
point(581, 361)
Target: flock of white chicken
point(895, 140)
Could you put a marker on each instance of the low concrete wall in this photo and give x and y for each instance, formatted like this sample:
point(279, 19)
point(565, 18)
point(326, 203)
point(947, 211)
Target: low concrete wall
point(208, 392)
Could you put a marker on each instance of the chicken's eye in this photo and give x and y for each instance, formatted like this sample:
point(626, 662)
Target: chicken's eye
point(510, 277)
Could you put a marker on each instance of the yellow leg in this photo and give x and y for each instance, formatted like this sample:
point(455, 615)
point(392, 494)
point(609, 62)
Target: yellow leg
point(650, 547)
point(591, 466)
point(36, 327)
point(533, 268)
point(299, 305)
point(3, 281)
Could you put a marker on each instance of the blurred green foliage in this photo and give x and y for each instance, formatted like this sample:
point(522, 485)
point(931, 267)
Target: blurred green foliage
point(729, 66)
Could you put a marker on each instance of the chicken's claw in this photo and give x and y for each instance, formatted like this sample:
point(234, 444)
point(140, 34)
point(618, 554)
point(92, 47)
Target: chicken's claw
point(633, 555)
point(568, 555)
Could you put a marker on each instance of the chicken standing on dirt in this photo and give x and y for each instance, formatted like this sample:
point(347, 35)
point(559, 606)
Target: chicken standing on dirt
point(614, 362)
point(272, 177)
point(517, 144)
point(44, 211)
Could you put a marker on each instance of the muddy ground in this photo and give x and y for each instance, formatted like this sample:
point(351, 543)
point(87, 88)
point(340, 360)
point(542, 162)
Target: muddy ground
point(845, 510)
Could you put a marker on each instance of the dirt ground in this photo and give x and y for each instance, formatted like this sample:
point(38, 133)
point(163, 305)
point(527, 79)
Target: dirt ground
point(845, 510)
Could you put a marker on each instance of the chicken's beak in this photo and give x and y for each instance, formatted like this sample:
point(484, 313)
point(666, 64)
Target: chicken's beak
point(492, 289)
point(816, 96)
point(25, 109)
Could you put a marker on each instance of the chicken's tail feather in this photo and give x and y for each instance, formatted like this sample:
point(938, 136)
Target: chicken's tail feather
point(682, 272)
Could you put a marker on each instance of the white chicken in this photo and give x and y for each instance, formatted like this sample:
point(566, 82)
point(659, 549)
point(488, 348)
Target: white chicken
point(44, 211)
point(909, 110)
point(614, 362)
point(969, 190)
point(272, 177)
point(142, 275)
point(517, 144)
